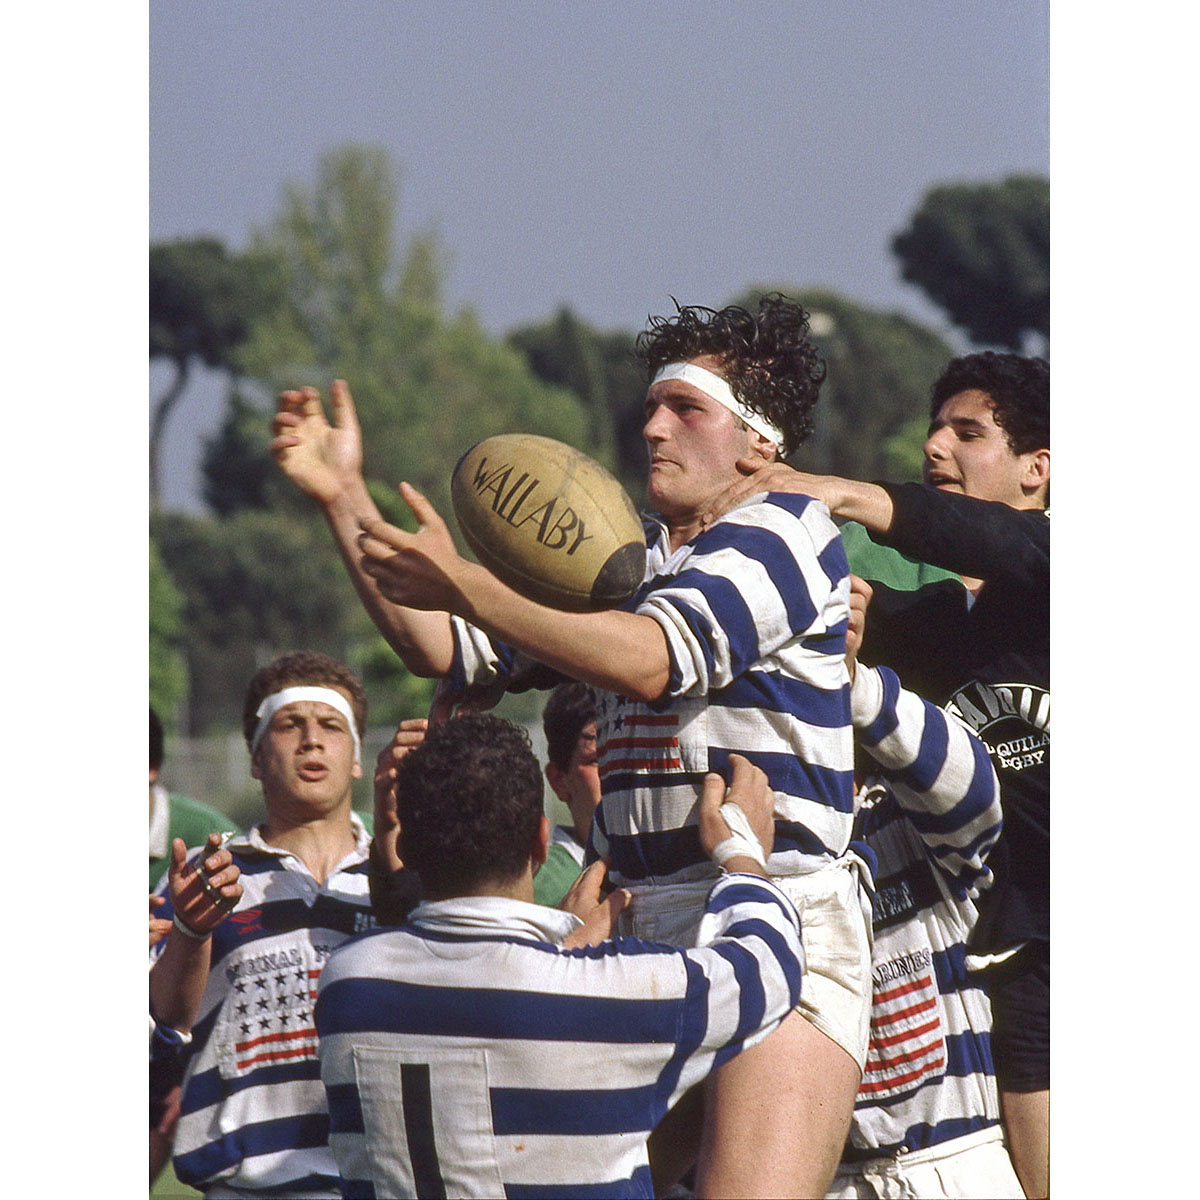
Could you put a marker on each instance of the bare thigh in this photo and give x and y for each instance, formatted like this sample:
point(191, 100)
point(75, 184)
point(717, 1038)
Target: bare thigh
point(777, 1115)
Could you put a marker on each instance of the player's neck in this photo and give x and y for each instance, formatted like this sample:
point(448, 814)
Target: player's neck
point(320, 843)
point(681, 530)
point(520, 888)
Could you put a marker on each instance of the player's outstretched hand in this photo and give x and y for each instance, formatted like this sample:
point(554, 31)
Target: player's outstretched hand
point(205, 894)
point(748, 789)
point(409, 735)
point(321, 459)
point(597, 912)
point(758, 476)
point(415, 570)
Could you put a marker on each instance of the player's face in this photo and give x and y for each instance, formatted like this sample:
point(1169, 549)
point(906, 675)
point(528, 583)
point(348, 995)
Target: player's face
point(583, 772)
point(578, 787)
point(967, 452)
point(306, 759)
point(694, 446)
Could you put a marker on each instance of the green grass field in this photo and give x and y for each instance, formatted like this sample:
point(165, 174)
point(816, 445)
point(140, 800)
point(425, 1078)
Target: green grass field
point(167, 1187)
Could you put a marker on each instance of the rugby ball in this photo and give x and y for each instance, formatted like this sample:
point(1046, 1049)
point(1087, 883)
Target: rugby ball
point(549, 521)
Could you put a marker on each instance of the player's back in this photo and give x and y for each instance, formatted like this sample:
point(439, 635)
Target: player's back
point(466, 1053)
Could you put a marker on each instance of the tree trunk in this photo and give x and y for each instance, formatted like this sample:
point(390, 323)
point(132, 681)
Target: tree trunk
point(162, 410)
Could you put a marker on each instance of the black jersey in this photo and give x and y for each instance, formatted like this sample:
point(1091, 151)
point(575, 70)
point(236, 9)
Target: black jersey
point(988, 662)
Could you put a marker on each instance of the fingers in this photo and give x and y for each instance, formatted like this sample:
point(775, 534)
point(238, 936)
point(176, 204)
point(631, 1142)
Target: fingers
point(746, 781)
point(587, 887)
point(426, 514)
point(861, 588)
point(344, 414)
point(750, 464)
point(379, 539)
point(714, 791)
point(310, 403)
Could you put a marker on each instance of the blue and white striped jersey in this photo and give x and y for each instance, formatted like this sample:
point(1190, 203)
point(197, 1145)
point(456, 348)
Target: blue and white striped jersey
point(467, 1054)
point(930, 816)
point(754, 610)
point(253, 1113)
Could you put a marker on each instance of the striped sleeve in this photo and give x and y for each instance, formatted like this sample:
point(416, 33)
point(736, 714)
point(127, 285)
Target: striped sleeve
point(760, 577)
point(749, 946)
point(938, 770)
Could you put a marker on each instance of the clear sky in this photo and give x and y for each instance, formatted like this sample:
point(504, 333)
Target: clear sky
point(607, 155)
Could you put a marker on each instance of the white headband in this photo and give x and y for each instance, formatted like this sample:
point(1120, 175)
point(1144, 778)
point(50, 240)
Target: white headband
point(274, 702)
point(719, 390)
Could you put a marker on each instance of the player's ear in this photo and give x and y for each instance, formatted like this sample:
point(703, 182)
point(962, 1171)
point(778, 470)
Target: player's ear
point(761, 447)
point(1037, 470)
point(556, 780)
point(541, 842)
point(255, 769)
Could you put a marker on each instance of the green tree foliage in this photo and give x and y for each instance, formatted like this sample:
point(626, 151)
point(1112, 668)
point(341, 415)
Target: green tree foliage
point(880, 367)
point(427, 386)
point(256, 584)
point(982, 253)
point(202, 301)
point(168, 665)
point(236, 464)
point(262, 576)
point(601, 370)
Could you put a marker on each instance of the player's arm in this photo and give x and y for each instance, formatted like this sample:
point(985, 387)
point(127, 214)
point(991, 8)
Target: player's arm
point(938, 770)
point(202, 899)
point(616, 650)
point(985, 539)
point(867, 503)
point(750, 930)
point(325, 462)
point(395, 889)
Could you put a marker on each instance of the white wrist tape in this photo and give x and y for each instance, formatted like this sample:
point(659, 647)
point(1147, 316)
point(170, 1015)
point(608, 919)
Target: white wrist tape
point(742, 839)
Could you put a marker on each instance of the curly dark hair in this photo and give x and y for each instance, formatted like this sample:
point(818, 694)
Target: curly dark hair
point(304, 668)
point(1018, 387)
point(470, 802)
point(768, 360)
point(570, 707)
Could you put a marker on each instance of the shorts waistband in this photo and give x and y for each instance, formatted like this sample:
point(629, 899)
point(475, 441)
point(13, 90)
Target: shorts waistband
point(855, 1159)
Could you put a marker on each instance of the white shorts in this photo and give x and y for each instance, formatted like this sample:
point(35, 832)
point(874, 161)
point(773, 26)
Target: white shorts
point(835, 930)
point(973, 1167)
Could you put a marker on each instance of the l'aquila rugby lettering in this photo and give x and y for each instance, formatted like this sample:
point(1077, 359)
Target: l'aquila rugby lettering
point(554, 524)
point(1012, 719)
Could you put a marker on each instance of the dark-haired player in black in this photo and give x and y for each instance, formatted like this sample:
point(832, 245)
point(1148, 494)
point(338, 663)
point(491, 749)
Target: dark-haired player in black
point(979, 645)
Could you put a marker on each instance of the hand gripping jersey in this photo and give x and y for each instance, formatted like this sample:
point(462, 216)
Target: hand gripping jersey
point(253, 1113)
point(930, 817)
point(467, 1054)
point(754, 610)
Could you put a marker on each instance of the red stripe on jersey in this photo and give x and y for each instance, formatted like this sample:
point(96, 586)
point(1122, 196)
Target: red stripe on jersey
point(307, 1051)
point(925, 982)
point(646, 764)
point(895, 1060)
point(881, 1085)
point(640, 743)
point(898, 1014)
point(284, 1035)
point(905, 1034)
